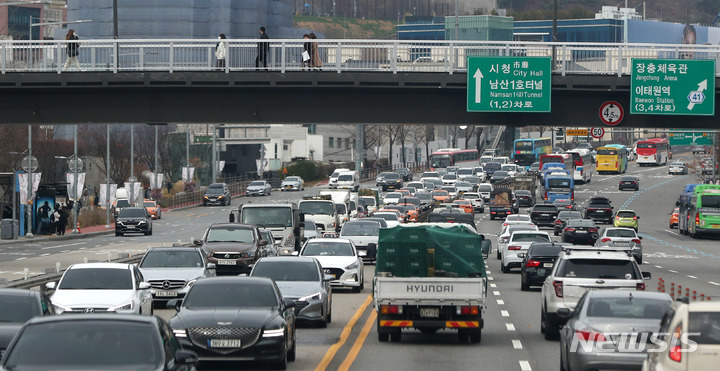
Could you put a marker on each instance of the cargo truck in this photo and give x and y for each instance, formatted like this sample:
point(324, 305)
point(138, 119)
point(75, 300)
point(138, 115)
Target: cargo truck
point(430, 277)
point(285, 221)
point(502, 203)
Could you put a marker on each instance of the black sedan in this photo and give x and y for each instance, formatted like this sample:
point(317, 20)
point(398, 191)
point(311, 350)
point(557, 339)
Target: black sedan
point(562, 218)
point(236, 318)
point(538, 262)
point(525, 198)
point(580, 231)
point(111, 342)
point(498, 176)
point(16, 307)
point(629, 182)
point(406, 174)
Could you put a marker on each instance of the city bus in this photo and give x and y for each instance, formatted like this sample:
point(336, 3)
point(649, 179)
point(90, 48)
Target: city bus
point(685, 217)
point(654, 151)
point(584, 168)
point(558, 158)
point(444, 157)
point(704, 210)
point(559, 188)
point(612, 158)
point(528, 150)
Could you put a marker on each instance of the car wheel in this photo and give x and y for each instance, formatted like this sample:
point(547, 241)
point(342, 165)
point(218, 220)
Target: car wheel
point(383, 337)
point(362, 284)
point(118, 234)
point(551, 330)
point(396, 336)
point(498, 255)
point(356, 289)
point(322, 323)
point(476, 337)
point(504, 268)
point(292, 353)
point(639, 260)
point(463, 336)
point(524, 286)
point(281, 364)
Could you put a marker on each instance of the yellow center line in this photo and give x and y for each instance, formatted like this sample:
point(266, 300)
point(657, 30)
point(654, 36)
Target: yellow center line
point(343, 336)
point(202, 215)
point(358, 342)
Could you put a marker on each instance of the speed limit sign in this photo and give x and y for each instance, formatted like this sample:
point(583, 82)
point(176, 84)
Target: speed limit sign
point(597, 132)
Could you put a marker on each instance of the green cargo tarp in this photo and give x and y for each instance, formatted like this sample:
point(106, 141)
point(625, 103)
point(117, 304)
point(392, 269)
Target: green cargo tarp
point(403, 251)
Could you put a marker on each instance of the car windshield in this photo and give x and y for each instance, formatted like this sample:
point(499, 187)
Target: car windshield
point(341, 209)
point(520, 227)
point(309, 225)
point(565, 215)
point(558, 183)
point(392, 176)
point(328, 249)
point(485, 188)
point(470, 196)
point(345, 178)
point(216, 190)
point(97, 279)
point(292, 179)
point(18, 308)
point(230, 234)
point(440, 193)
point(430, 175)
point(449, 189)
point(677, 164)
point(627, 179)
point(493, 166)
point(360, 229)
point(267, 216)
point(598, 268)
point(237, 294)
point(449, 177)
point(499, 174)
point(581, 223)
point(393, 195)
point(545, 208)
point(710, 201)
point(172, 259)
point(87, 345)
point(627, 306)
point(284, 270)
point(509, 167)
point(367, 201)
point(317, 207)
point(530, 237)
point(626, 214)
point(620, 232)
point(609, 152)
point(465, 171)
point(545, 250)
point(122, 203)
point(423, 196)
point(705, 327)
point(386, 216)
point(149, 203)
point(463, 184)
point(517, 217)
point(257, 184)
point(131, 212)
point(265, 235)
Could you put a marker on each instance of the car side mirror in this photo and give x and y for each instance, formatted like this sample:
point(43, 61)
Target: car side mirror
point(210, 266)
point(295, 253)
point(174, 304)
point(186, 357)
point(144, 286)
point(677, 203)
point(262, 242)
point(231, 218)
point(197, 242)
point(564, 313)
point(371, 251)
point(646, 275)
point(289, 303)
point(521, 255)
point(485, 247)
point(640, 237)
point(328, 278)
point(637, 216)
point(51, 285)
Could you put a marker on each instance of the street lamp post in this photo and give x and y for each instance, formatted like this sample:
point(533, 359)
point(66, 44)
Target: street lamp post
point(28, 232)
point(107, 177)
point(214, 158)
point(76, 196)
point(132, 165)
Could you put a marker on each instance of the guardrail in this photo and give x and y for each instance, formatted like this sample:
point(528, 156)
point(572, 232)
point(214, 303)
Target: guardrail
point(179, 55)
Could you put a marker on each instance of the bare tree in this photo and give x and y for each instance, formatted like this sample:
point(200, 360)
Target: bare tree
point(391, 133)
point(95, 138)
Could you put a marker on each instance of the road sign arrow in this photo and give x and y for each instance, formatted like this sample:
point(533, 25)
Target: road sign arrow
point(701, 87)
point(478, 85)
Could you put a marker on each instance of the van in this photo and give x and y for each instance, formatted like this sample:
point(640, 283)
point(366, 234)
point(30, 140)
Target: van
point(332, 183)
point(348, 180)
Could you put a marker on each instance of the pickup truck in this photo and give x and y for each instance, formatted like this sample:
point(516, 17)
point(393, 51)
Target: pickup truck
point(430, 277)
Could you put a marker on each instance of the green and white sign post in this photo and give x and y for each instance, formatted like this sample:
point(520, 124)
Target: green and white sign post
point(679, 137)
point(509, 84)
point(673, 87)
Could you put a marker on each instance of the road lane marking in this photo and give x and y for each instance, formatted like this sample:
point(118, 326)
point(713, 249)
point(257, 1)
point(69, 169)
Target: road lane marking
point(23, 258)
point(510, 327)
point(714, 283)
point(525, 366)
point(493, 285)
point(490, 279)
point(689, 276)
point(504, 313)
point(46, 254)
point(672, 271)
point(500, 302)
point(352, 355)
point(201, 215)
point(517, 344)
point(488, 272)
point(343, 336)
point(496, 293)
point(658, 267)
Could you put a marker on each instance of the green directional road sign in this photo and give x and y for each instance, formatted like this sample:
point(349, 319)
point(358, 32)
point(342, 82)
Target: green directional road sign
point(508, 84)
point(682, 137)
point(673, 87)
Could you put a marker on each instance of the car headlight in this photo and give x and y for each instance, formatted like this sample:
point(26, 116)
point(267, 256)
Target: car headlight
point(290, 241)
point(249, 254)
point(191, 282)
point(220, 197)
point(352, 266)
point(274, 333)
point(206, 197)
point(59, 309)
point(119, 222)
point(180, 333)
point(127, 306)
point(142, 222)
point(331, 225)
point(315, 296)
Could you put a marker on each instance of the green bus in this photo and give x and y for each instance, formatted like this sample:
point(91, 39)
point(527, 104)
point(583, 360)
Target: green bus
point(704, 212)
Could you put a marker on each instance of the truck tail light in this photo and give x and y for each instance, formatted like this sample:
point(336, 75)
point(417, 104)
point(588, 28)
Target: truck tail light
point(558, 286)
point(514, 247)
point(391, 309)
point(697, 218)
point(469, 310)
point(532, 264)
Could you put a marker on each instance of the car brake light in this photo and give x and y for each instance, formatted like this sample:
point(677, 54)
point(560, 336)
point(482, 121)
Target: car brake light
point(532, 263)
point(675, 353)
point(558, 286)
point(640, 287)
point(558, 221)
point(635, 240)
point(514, 247)
point(605, 239)
point(390, 309)
point(568, 229)
point(589, 335)
point(593, 230)
point(469, 310)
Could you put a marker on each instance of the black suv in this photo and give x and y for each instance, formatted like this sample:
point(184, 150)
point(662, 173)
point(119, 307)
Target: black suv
point(392, 180)
point(544, 214)
point(133, 219)
point(217, 194)
point(599, 209)
point(233, 247)
point(538, 262)
point(405, 173)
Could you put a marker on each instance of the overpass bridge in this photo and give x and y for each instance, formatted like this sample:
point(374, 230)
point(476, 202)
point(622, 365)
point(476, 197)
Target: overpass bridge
point(361, 81)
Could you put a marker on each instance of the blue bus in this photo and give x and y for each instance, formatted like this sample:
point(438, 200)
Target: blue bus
point(528, 150)
point(559, 188)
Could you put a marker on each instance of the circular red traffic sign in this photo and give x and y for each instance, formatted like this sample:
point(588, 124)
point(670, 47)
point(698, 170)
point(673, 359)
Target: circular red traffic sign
point(597, 132)
point(611, 113)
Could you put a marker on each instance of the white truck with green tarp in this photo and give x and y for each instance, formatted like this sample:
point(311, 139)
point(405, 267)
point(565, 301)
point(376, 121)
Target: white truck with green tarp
point(430, 277)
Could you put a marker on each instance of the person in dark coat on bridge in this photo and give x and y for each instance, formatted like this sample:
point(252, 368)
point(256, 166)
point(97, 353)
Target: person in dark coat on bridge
point(73, 50)
point(262, 48)
point(315, 56)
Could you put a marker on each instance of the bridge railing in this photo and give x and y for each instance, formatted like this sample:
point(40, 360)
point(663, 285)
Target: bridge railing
point(178, 55)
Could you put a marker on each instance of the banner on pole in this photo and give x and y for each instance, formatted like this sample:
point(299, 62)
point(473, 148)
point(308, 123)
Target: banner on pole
point(75, 194)
point(103, 195)
point(156, 180)
point(188, 174)
point(23, 183)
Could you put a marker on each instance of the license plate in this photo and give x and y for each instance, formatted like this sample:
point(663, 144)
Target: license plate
point(430, 312)
point(548, 265)
point(581, 232)
point(225, 343)
point(715, 226)
point(362, 252)
point(165, 293)
point(227, 262)
point(622, 243)
point(544, 214)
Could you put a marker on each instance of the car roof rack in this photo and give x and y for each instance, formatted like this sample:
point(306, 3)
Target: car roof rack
point(569, 249)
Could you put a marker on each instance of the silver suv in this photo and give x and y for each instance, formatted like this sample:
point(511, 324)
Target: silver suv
point(579, 269)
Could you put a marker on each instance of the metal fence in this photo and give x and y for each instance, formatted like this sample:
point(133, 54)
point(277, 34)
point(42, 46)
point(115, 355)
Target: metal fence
point(339, 56)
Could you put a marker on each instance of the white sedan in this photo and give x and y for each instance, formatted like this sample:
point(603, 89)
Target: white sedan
point(339, 258)
point(519, 242)
point(101, 288)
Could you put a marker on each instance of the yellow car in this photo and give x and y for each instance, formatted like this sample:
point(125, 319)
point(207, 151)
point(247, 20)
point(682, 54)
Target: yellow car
point(627, 219)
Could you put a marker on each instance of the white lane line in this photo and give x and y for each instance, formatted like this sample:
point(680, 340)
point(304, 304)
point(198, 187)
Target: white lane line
point(488, 272)
point(65, 251)
point(658, 267)
point(496, 293)
point(504, 313)
point(689, 276)
point(21, 258)
point(500, 302)
point(517, 344)
point(525, 366)
point(714, 283)
point(672, 271)
point(510, 327)
point(493, 285)
point(46, 254)
point(490, 279)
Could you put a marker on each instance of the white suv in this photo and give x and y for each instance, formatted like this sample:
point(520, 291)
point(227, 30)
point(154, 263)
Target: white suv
point(519, 242)
point(578, 269)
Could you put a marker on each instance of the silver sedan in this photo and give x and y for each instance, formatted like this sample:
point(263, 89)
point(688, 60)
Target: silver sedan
point(625, 238)
point(258, 188)
point(292, 183)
